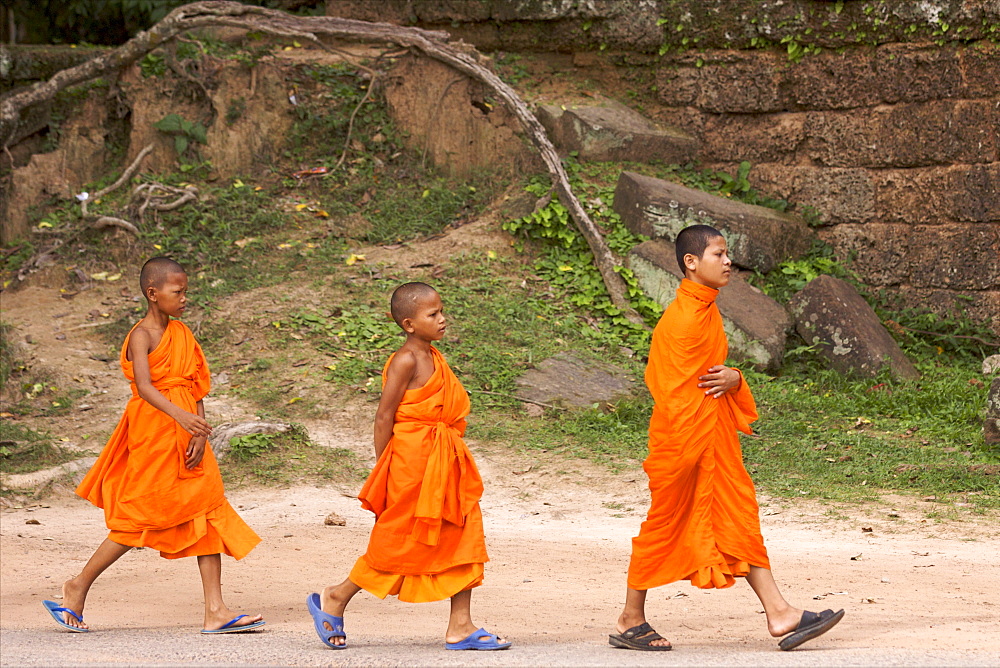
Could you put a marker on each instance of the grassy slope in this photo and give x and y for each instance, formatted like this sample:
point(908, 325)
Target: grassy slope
point(324, 333)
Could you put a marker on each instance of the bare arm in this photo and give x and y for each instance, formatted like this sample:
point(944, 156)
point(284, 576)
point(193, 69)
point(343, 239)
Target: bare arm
point(138, 346)
point(720, 379)
point(398, 377)
point(197, 444)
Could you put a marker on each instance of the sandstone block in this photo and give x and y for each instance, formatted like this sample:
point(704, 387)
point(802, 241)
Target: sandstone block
point(918, 73)
point(905, 135)
point(964, 193)
point(991, 367)
point(832, 81)
point(991, 425)
point(758, 238)
point(879, 253)
point(568, 380)
point(830, 313)
point(840, 195)
point(755, 324)
point(980, 65)
point(610, 131)
point(757, 138)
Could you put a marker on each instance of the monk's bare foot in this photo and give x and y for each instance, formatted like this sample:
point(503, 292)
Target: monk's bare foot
point(784, 622)
point(625, 623)
point(334, 602)
point(74, 598)
point(216, 619)
point(460, 632)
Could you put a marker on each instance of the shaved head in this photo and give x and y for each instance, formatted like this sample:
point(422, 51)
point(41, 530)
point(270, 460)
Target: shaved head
point(694, 240)
point(405, 298)
point(156, 271)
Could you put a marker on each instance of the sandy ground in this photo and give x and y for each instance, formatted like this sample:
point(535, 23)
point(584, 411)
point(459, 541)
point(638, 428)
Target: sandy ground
point(917, 591)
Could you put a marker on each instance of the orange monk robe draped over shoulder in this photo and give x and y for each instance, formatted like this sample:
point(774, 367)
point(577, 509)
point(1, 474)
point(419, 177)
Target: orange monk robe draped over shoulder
point(149, 498)
point(702, 524)
point(427, 543)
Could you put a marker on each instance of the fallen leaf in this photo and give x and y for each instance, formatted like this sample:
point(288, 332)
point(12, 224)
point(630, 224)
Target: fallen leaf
point(334, 520)
point(857, 557)
point(866, 529)
point(32, 522)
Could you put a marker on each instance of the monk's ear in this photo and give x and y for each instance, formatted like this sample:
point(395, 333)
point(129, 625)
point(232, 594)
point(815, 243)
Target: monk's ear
point(407, 325)
point(690, 261)
point(151, 293)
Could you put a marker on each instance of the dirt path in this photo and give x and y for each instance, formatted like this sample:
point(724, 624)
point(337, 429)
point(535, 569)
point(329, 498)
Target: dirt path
point(919, 593)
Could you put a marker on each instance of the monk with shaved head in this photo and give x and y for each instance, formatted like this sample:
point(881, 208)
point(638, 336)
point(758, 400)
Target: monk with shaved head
point(157, 479)
point(428, 542)
point(702, 524)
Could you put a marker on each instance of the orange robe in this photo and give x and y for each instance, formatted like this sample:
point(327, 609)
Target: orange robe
point(702, 524)
point(150, 499)
point(428, 542)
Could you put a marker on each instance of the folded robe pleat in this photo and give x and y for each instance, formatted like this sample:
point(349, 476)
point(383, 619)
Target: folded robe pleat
point(428, 542)
point(150, 499)
point(702, 524)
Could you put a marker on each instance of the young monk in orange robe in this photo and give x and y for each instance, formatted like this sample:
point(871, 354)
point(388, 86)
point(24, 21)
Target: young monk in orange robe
point(702, 524)
point(157, 479)
point(428, 542)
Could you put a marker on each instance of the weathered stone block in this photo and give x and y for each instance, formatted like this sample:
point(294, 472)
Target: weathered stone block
point(759, 138)
point(991, 425)
point(831, 81)
point(879, 253)
point(957, 256)
point(966, 193)
point(980, 65)
point(755, 324)
point(568, 380)
point(920, 256)
point(840, 195)
point(829, 313)
point(610, 131)
point(917, 73)
point(758, 238)
point(906, 135)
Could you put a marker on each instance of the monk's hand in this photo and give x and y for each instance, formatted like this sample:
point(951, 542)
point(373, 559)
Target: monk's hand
point(195, 451)
point(719, 380)
point(194, 424)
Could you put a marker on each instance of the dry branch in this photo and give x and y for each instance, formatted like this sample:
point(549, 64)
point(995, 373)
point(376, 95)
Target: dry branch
point(312, 29)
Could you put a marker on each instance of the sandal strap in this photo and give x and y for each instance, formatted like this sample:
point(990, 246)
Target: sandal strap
point(637, 631)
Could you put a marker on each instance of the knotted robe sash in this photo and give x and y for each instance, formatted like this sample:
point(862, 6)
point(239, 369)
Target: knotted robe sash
point(140, 479)
point(425, 488)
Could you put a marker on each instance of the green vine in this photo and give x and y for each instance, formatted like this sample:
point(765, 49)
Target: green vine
point(566, 263)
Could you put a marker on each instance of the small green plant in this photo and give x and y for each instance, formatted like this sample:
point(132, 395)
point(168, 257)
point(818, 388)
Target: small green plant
point(183, 131)
point(153, 65)
point(235, 110)
point(245, 448)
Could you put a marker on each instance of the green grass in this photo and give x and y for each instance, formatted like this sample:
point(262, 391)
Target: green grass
point(23, 450)
point(287, 458)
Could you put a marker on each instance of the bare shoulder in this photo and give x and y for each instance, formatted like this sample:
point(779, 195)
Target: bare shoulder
point(403, 363)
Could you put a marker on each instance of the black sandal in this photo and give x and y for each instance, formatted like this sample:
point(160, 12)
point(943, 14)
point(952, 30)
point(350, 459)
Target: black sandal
point(811, 625)
point(639, 637)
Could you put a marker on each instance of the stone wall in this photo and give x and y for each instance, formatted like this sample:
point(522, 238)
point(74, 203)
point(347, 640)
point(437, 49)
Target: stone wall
point(884, 115)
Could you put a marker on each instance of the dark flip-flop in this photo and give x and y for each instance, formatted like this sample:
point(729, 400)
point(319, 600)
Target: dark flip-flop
point(639, 637)
point(811, 625)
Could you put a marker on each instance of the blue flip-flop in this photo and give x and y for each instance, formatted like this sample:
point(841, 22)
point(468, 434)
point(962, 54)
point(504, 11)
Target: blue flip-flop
point(229, 628)
point(481, 640)
point(336, 623)
point(56, 611)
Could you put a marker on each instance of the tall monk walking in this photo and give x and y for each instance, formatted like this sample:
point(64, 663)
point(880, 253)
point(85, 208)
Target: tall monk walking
point(157, 479)
point(427, 543)
point(702, 524)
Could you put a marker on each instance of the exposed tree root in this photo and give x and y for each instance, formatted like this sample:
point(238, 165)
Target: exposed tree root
point(432, 44)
